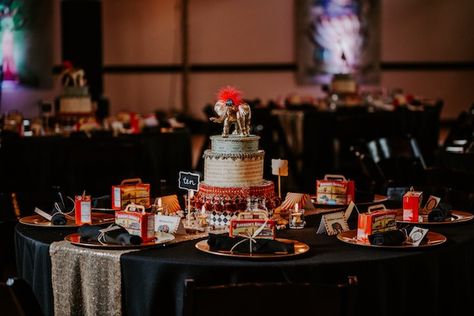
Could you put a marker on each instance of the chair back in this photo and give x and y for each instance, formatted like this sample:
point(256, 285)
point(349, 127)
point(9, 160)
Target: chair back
point(270, 299)
point(400, 159)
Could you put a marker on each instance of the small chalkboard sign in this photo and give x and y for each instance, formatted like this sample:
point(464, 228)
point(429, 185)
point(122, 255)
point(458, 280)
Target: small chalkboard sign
point(188, 181)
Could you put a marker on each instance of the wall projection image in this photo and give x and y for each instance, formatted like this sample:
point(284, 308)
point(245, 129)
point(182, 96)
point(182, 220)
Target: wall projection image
point(337, 37)
point(26, 42)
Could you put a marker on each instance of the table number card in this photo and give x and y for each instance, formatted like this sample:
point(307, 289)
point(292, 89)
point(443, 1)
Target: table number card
point(188, 181)
point(169, 224)
point(333, 224)
point(280, 167)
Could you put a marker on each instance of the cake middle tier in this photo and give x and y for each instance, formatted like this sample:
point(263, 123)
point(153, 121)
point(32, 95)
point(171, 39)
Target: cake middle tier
point(233, 170)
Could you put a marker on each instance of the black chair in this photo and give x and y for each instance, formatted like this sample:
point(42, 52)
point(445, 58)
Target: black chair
point(23, 298)
point(399, 159)
point(270, 298)
point(370, 177)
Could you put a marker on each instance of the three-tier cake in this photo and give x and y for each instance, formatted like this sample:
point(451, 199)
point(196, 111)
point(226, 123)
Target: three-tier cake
point(233, 166)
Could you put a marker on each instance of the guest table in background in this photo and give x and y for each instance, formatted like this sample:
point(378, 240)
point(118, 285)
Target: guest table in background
point(318, 142)
point(31, 166)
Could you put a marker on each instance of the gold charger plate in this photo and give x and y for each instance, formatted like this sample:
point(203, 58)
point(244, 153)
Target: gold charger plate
point(300, 248)
point(75, 239)
point(431, 239)
point(458, 217)
point(39, 221)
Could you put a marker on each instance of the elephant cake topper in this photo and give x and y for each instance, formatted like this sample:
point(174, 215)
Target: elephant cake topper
point(232, 111)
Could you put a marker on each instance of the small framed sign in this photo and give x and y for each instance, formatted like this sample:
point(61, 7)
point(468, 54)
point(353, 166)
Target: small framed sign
point(189, 181)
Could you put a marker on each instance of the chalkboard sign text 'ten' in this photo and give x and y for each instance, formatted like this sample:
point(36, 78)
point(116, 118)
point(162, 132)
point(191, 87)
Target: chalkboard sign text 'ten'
point(188, 181)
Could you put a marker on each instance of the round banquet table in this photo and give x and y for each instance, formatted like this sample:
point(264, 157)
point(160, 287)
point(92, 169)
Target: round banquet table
point(436, 281)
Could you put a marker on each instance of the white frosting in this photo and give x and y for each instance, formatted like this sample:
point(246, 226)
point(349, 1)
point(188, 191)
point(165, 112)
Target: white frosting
point(234, 144)
point(228, 172)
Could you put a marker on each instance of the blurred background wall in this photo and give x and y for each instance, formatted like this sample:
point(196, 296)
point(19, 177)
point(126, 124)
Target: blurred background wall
point(427, 50)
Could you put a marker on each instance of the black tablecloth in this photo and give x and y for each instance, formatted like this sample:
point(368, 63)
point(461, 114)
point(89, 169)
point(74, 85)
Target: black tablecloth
point(436, 281)
point(31, 166)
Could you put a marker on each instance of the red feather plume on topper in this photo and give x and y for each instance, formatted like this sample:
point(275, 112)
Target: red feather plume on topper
point(230, 93)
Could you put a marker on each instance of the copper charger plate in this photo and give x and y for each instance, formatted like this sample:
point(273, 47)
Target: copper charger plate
point(300, 248)
point(75, 239)
point(458, 217)
point(39, 221)
point(431, 239)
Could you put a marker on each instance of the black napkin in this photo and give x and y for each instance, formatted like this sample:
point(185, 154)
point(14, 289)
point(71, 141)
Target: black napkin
point(60, 201)
point(389, 238)
point(58, 219)
point(440, 213)
point(222, 242)
point(114, 237)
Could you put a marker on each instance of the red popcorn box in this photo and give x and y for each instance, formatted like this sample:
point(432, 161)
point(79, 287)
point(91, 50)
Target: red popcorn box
point(82, 206)
point(334, 190)
point(130, 191)
point(412, 205)
point(375, 222)
point(136, 222)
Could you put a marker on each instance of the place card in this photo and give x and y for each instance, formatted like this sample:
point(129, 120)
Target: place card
point(333, 224)
point(169, 224)
point(349, 209)
point(432, 203)
point(417, 234)
point(43, 214)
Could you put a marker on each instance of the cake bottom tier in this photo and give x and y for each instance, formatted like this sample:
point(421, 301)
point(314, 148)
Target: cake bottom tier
point(220, 199)
point(223, 204)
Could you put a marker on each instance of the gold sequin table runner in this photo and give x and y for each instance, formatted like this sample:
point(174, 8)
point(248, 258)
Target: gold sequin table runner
point(85, 281)
point(88, 281)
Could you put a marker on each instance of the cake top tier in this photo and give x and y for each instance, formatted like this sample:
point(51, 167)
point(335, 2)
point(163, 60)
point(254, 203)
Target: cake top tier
point(234, 144)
